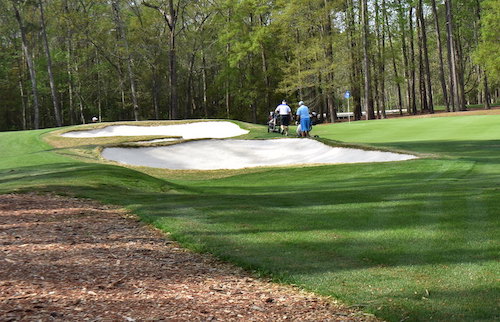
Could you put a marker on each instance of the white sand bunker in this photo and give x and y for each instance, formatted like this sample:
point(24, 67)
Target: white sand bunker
point(238, 154)
point(188, 131)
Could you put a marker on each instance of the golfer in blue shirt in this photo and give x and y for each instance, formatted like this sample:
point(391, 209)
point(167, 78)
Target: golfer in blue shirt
point(305, 119)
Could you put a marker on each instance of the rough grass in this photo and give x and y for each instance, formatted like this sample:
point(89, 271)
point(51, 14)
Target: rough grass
point(415, 240)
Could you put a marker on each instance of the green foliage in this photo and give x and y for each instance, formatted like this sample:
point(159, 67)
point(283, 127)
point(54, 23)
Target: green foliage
point(490, 40)
point(232, 56)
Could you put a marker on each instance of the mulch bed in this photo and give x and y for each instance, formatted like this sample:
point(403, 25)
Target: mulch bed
point(76, 260)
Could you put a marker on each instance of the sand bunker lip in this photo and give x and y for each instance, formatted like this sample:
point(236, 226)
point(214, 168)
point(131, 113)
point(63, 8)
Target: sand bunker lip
point(188, 131)
point(159, 140)
point(239, 154)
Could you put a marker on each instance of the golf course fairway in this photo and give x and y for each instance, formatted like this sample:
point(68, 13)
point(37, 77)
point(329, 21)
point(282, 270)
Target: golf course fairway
point(414, 240)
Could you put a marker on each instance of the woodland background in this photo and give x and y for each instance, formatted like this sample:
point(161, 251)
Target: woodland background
point(63, 62)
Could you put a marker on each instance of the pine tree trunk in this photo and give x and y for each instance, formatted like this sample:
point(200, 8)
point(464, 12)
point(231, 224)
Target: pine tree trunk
point(376, 87)
point(381, 56)
point(99, 108)
point(394, 66)
point(31, 68)
point(53, 90)
point(405, 55)
point(172, 54)
point(413, 103)
point(228, 94)
point(332, 111)
point(170, 16)
point(422, 85)
point(370, 113)
point(155, 94)
point(227, 85)
point(267, 79)
point(69, 69)
point(299, 66)
point(189, 103)
point(78, 93)
point(22, 94)
point(205, 85)
point(253, 108)
point(440, 55)
point(355, 63)
point(454, 97)
point(228, 100)
point(121, 85)
point(123, 38)
point(482, 75)
point(487, 96)
point(98, 82)
point(427, 70)
point(80, 103)
point(69, 59)
point(460, 73)
point(265, 69)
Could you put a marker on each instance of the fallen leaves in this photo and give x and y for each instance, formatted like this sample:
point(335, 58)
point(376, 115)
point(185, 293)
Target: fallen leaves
point(71, 259)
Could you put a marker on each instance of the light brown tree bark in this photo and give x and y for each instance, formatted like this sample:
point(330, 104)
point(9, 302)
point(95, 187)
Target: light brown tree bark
point(440, 56)
point(427, 71)
point(170, 14)
point(370, 112)
point(53, 89)
point(394, 65)
point(31, 67)
point(355, 78)
point(128, 57)
point(406, 59)
point(413, 103)
point(332, 111)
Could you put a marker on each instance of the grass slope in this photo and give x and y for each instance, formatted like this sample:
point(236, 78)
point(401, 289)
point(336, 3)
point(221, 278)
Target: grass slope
point(415, 240)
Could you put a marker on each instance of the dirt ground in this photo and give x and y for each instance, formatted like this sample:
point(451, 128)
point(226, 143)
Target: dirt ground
point(68, 259)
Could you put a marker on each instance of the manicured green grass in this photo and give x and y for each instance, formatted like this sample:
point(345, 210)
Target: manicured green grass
point(415, 240)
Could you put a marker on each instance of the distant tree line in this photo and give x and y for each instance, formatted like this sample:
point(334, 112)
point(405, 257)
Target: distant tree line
point(63, 62)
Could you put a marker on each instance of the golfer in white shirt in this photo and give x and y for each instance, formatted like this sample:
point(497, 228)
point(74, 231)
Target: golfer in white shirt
point(285, 113)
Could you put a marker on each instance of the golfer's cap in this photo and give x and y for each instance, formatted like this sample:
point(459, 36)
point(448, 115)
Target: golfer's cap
point(283, 102)
point(301, 103)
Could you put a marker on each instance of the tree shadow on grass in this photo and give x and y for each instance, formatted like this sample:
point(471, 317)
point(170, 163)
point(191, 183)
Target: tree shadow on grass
point(440, 304)
point(394, 202)
point(486, 151)
point(415, 217)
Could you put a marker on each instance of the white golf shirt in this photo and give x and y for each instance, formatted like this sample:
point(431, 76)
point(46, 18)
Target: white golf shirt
point(283, 109)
